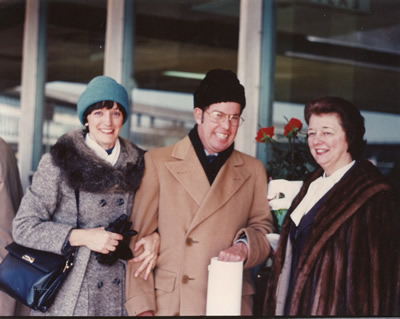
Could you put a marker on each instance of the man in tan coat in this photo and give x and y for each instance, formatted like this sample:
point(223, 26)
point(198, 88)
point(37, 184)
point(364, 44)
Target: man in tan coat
point(10, 197)
point(201, 208)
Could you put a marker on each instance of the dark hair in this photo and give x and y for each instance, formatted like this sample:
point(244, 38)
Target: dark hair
point(100, 105)
point(351, 120)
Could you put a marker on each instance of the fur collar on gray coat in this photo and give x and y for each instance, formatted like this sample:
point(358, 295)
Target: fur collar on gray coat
point(83, 169)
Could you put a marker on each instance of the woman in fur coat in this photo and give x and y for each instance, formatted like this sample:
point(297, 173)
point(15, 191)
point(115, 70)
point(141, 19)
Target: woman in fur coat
point(100, 172)
point(339, 251)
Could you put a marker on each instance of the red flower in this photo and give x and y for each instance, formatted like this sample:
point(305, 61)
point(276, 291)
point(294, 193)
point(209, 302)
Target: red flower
point(292, 127)
point(264, 133)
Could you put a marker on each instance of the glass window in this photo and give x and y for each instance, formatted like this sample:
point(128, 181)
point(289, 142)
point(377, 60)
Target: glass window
point(176, 43)
point(345, 48)
point(12, 17)
point(75, 54)
point(75, 39)
point(349, 49)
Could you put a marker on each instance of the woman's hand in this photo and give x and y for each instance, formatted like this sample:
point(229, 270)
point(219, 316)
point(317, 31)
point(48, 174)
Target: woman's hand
point(151, 246)
point(96, 239)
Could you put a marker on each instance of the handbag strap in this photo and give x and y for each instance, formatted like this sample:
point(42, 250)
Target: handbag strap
point(77, 206)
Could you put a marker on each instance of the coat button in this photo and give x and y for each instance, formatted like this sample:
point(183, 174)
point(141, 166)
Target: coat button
point(100, 284)
point(186, 278)
point(102, 203)
point(120, 201)
point(190, 241)
point(116, 281)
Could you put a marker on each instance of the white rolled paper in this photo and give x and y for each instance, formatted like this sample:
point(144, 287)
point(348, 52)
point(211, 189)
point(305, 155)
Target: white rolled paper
point(224, 291)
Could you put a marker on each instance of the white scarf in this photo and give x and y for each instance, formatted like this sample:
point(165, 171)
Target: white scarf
point(101, 152)
point(316, 191)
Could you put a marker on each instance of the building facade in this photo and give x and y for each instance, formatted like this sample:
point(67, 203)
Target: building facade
point(285, 52)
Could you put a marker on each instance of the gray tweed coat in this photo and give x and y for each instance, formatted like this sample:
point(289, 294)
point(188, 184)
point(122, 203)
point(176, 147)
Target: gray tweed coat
point(48, 213)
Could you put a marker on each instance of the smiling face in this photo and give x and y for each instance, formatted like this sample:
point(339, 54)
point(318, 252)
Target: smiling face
point(105, 125)
point(216, 137)
point(327, 142)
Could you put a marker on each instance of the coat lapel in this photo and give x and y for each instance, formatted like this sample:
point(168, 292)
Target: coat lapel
point(229, 180)
point(188, 171)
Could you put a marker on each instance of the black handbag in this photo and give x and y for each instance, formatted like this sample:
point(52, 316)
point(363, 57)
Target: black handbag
point(32, 276)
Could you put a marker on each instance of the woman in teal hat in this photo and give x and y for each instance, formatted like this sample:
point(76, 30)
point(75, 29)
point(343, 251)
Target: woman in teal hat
point(100, 172)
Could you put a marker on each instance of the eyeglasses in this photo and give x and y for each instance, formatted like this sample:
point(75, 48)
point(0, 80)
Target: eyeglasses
point(219, 117)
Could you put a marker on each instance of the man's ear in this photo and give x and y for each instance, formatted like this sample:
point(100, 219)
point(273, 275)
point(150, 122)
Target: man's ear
point(198, 115)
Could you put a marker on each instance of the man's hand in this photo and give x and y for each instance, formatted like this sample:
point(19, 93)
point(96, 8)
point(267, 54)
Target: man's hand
point(151, 246)
point(237, 252)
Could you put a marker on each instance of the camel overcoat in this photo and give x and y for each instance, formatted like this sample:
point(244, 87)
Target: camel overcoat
point(48, 213)
point(350, 263)
point(10, 198)
point(196, 221)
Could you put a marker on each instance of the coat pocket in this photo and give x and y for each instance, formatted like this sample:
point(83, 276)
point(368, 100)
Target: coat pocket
point(164, 280)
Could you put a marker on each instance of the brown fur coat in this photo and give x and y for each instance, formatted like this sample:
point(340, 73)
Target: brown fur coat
point(350, 264)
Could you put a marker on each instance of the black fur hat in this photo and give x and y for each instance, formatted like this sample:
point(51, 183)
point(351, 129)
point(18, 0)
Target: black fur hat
point(219, 86)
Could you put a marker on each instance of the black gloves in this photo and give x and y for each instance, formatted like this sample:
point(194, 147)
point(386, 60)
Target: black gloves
point(120, 226)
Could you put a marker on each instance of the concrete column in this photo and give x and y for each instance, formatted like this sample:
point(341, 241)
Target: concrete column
point(249, 72)
point(256, 70)
point(32, 89)
point(118, 57)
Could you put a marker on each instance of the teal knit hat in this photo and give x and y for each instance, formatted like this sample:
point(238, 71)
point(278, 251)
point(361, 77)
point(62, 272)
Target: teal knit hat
point(102, 88)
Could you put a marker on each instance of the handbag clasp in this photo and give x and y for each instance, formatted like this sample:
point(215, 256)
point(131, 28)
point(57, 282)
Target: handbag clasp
point(67, 266)
point(28, 258)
